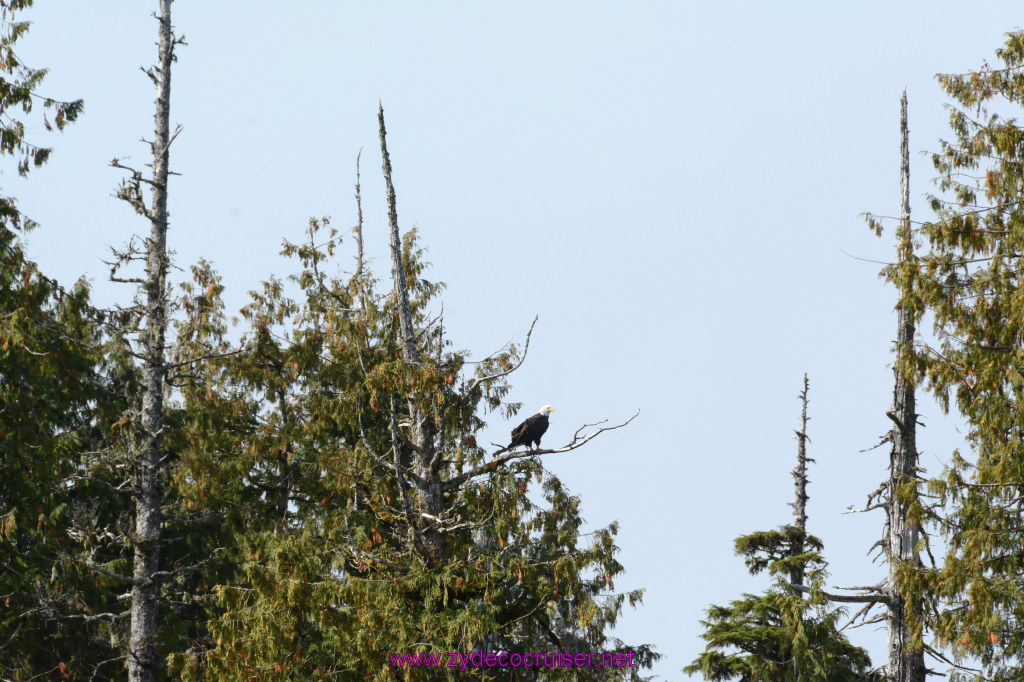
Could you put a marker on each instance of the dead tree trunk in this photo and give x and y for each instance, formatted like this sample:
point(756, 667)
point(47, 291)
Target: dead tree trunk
point(906, 662)
point(142, 658)
point(427, 478)
point(796, 574)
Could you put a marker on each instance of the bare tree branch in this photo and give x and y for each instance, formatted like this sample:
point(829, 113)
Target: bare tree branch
point(577, 441)
point(874, 598)
point(208, 356)
point(526, 347)
point(110, 574)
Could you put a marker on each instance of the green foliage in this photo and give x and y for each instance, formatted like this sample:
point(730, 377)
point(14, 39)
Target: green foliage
point(18, 91)
point(779, 636)
point(969, 278)
point(49, 368)
point(290, 550)
point(49, 363)
point(776, 549)
point(329, 559)
point(308, 528)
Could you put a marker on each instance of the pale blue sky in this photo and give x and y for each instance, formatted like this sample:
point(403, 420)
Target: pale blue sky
point(668, 185)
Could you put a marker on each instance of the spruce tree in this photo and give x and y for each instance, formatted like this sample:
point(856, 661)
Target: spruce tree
point(789, 633)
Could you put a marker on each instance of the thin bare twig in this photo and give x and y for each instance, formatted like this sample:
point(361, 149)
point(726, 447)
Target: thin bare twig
point(526, 347)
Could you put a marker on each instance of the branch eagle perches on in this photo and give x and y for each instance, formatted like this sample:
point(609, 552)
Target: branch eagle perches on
point(502, 456)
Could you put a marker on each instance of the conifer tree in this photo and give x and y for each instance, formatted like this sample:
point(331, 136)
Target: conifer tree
point(142, 660)
point(19, 90)
point(48, 371)
point(899, 496)
point(137, 458)
point(968, 277)
point(48, 364)
point(905, 644)
point(781, 636)
point(370, 519)
point(296, 508)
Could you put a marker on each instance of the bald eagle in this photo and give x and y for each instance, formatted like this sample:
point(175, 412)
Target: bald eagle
point(531, 430)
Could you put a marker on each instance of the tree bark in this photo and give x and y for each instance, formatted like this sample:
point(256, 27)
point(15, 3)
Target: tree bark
point(906, 662)
point(406, 332)
point(359, 240)
point(428, 483)
point(142, 660)
point(796, 575)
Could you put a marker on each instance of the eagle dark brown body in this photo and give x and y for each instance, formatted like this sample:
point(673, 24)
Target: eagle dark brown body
point(531, 430)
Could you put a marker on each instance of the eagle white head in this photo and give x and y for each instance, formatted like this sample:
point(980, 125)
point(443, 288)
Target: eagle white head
point(547, 409)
